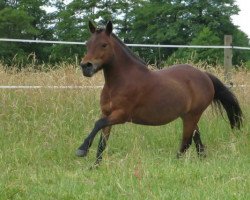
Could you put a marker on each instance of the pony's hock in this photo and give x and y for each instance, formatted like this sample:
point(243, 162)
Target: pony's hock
point(133, 93)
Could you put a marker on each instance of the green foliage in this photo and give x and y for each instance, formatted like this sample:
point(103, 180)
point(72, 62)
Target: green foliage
point(240, 39)
point(71, 25)
point(12, 23)
point(181, 22)
point(138, 21)
point(211, 56)
point(248, 64)
point(23, 20)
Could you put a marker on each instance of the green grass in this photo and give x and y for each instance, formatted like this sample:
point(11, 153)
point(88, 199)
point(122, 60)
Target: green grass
point(41, 129)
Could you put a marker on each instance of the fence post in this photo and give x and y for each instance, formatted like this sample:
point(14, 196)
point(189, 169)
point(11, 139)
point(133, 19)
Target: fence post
point(228, 55)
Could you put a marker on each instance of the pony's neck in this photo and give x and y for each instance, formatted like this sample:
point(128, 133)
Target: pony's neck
point(122, 64)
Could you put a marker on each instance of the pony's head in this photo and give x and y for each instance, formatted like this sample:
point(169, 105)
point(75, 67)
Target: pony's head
point(99, 50)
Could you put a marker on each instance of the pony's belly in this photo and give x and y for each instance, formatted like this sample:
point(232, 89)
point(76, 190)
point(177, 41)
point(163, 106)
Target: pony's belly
point(151, 122)
point(155, 118)
point(160, 111)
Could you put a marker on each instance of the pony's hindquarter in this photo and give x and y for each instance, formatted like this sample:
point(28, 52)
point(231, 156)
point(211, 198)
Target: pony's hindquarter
point(223, 96)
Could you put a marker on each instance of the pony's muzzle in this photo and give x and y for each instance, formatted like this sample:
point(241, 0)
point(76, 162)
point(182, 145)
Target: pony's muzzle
point(87, 69)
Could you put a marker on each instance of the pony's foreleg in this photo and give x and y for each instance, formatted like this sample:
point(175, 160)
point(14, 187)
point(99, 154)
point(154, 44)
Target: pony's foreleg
point(102, 143)
point(83, 149)
point(116, 117)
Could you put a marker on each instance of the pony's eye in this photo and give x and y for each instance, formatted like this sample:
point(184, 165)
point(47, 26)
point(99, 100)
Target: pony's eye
point(104, 45)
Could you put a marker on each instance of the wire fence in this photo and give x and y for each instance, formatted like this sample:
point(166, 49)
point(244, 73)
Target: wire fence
point(130, 45)
point(48, 87)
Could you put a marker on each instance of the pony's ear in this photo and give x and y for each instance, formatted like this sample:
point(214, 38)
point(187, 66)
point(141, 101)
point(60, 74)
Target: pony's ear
point(92, 27)
point(109, 28)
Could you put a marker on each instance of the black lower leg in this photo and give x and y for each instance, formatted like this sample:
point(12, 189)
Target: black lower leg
point(101, 147)
point(184, 146)
point(198, 144)
point(83, 149)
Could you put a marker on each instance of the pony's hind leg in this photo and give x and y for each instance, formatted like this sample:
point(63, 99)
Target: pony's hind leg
point(102, 143)
point(200, 148)
point(189, 126)
point(185, 144)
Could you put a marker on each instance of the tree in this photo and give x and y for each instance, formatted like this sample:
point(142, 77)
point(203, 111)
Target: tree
point(210, 56)
point(40, 22)
point(179, 22)
point(14, 24)
point(240, 39)
point(137, 21)
point(25, 20)
point(71, 23)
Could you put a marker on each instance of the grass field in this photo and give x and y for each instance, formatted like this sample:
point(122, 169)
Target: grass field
point(41, 129)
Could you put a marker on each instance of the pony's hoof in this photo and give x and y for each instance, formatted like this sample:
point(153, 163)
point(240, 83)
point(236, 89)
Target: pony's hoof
point(96, 165)
point(202, 155)
point(179, 155)
point(81, 153)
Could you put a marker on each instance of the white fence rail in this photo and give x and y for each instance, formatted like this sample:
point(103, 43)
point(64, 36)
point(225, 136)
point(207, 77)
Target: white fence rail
point(48, 87)
point(131, 45)
point(35, 87)
point(225, 47)
point(32, 87)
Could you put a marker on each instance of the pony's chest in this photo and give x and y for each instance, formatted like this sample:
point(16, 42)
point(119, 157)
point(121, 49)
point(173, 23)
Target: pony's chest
point(114, 99)
point(109, 104)
point(106, 107)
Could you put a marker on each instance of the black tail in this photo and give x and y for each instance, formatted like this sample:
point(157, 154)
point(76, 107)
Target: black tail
point(223, 96)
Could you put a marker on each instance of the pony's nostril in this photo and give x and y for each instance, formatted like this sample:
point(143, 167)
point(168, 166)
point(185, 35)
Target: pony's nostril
point(88, 64)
